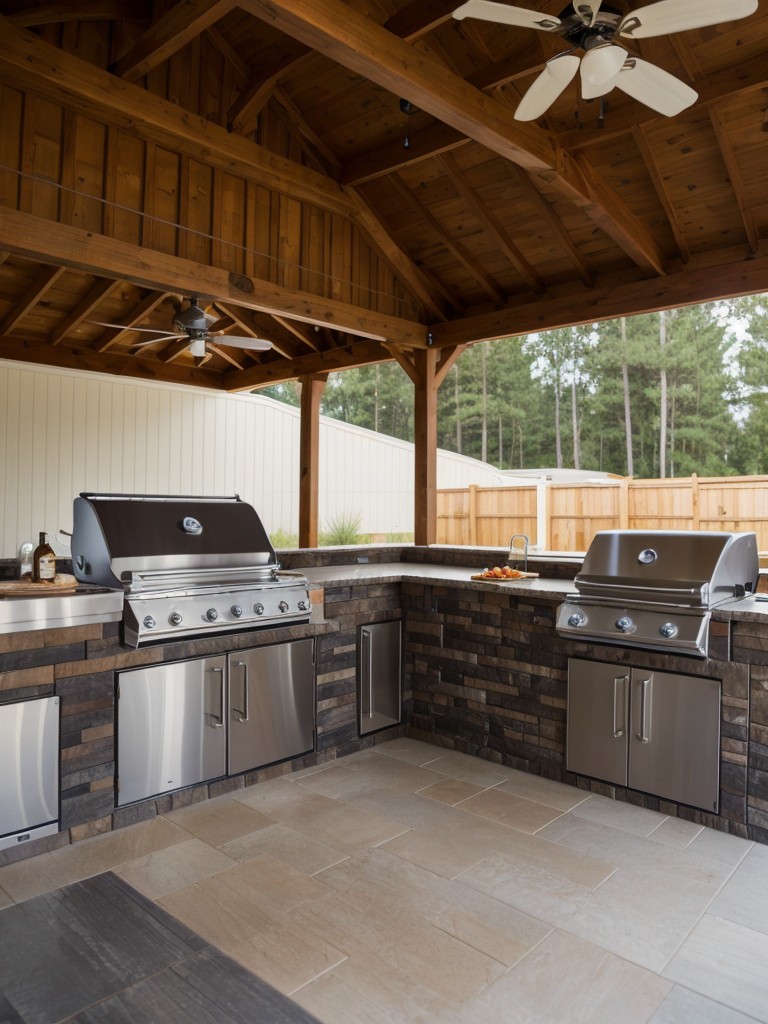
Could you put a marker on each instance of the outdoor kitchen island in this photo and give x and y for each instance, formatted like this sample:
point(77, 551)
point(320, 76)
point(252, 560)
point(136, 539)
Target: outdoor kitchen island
point(484, 672)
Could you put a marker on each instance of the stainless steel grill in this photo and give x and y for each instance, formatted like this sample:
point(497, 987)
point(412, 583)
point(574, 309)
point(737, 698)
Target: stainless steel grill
point(188, 566)
point(655, 589)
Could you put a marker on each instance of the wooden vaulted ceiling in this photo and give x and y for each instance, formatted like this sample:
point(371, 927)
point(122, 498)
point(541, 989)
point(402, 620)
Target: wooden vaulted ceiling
point(346, 179)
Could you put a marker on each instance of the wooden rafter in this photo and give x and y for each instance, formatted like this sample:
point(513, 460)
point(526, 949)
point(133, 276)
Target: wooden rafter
point(170, 33)
point(139, 312)
point(359, 353)
point(646, 151)
point(83, 310)
point(547, 214)
point(243, 113)
point(719, 124)
point(42, 283)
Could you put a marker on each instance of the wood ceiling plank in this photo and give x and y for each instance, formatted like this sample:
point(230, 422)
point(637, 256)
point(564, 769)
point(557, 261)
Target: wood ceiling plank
point(491, 224)
point(420, 17)
point(243, 113)
point(57, 13)
point(62, 245)
point(435, 139)
point(170, 33)
point(365, 47)
point(552, 221)
point(141, 310)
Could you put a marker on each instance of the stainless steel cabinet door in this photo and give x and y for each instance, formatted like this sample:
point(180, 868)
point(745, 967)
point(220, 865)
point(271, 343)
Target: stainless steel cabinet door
point(271, 704)
point(29, 765)
point(674, 746)
point(379, 675)
point(598, 708)
point(170, 727)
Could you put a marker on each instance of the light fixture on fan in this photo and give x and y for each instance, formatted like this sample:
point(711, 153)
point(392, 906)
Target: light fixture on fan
point(592, 26)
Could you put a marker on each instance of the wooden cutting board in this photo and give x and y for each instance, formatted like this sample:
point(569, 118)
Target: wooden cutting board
point(505, 579)
point(63, 584)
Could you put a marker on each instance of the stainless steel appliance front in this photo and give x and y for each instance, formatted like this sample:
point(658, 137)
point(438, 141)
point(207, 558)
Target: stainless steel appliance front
point(29, 770)
point(657, 732)
point(379, 675)
point(187, 722)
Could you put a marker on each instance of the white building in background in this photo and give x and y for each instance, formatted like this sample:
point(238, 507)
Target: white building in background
point(63, 432)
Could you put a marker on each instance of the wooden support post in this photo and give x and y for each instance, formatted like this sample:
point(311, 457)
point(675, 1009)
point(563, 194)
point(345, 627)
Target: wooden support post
point(695, 507)
point(309, 459)
point(426, 382)
point(473, 515)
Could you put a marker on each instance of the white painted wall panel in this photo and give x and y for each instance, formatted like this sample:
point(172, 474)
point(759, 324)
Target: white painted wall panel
point(63, 432)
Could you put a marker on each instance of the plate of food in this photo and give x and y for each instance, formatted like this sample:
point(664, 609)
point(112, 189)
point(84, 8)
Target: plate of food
point(503, 574)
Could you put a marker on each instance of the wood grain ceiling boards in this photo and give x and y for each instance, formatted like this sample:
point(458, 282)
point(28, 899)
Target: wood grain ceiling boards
point(254, 155)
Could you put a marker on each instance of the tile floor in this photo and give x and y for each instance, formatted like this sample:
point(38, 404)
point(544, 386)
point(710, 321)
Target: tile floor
point(408, 883)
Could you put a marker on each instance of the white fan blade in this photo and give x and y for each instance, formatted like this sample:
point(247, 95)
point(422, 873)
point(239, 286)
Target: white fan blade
point(123, 327)
point(545, 89)
point(162, 337)
point(587, 10)
point(487, 10)
point(654, 87)
point(255, 344)
point(668, 16)
point(602, 63)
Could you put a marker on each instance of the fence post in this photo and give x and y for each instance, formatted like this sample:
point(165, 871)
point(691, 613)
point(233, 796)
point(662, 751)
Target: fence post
point(543, 527)
point(624, 502)
point(473, 515)
point(695, 511)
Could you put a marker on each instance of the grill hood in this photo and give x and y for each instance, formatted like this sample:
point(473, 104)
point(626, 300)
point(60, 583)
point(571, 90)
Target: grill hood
point(117, 536)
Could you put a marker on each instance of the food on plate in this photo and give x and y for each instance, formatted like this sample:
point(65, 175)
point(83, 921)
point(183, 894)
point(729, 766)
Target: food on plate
point(501, 573)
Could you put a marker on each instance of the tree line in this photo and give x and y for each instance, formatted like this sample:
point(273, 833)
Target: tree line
point(661, 395)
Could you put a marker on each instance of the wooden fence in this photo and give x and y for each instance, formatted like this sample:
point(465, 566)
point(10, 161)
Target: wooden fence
point(565, 517)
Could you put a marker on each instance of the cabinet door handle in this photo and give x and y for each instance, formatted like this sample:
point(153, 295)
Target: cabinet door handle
point(619, 717)
point(218, 721)
point(646, 690)
point(244, 715)
point(366, 683)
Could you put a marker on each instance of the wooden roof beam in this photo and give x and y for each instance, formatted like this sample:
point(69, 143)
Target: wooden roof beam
point(646, 152)
point(363, 46)
point(172, 31)
point(139, 312)
point(242, 115)
point(746, 209)
point(359, 353)
point(420, 17)
point(83, 310)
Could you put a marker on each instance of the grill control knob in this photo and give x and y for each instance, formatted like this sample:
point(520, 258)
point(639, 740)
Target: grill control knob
point(303, 606)
point(259, 609)
point(668, 630)
point(577, 619)
point(236, 610)
point(175, 618)
point(624, 624)
point(283, 606)
point(211, 615)
point(149, 621)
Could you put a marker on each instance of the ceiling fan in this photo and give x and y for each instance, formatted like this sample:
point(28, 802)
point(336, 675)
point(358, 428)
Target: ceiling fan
point(193, 325)
point(592, 26)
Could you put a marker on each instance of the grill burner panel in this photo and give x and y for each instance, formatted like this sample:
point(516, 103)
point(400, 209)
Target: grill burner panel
point(188, 567)
point(656, 589)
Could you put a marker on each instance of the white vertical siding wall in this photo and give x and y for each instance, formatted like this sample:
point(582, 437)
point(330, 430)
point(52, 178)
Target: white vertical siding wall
point(63, 432)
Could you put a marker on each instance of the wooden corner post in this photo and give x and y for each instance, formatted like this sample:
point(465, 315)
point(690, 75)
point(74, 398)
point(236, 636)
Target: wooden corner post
point(309, 459)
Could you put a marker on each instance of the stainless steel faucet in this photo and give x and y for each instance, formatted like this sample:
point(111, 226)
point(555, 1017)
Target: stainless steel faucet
point(518, 550)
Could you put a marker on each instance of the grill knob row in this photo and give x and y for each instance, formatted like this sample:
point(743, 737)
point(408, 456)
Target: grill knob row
point(176, 618)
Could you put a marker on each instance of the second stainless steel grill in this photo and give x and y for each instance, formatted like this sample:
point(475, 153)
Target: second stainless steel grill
point(188, 566)
point(655, 588)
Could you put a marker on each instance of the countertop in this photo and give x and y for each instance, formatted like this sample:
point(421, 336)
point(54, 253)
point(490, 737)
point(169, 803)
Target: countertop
point(86, 606)
point(416, 572)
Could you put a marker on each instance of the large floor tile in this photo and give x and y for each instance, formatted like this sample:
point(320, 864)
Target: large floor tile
point(512, 811)
point(726, 962)
point(173, 868)
point(219, 821)
point(413, 751)
point(570, 981)
point(287, 844)
point(720, 846)
point(450, 791)
point(415, 951)
point(543, 791)
point(27, 878)
point(744, 898)
point(470, 769)
point(685, 1007)
point(375, 879)
point(676, 832)
point(616, 814)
